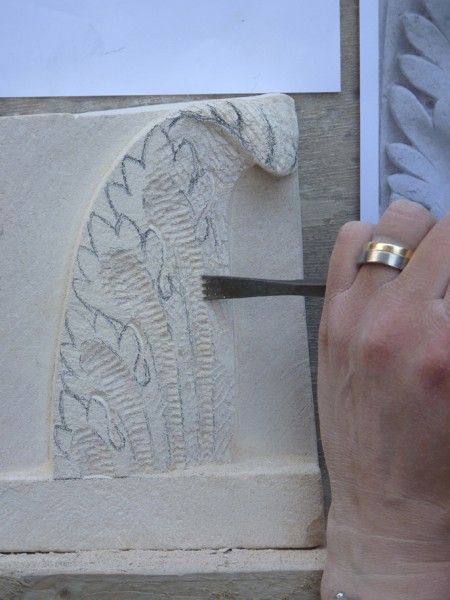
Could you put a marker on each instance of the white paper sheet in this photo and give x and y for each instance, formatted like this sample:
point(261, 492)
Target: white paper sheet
point(370, 102)
point(103, 47)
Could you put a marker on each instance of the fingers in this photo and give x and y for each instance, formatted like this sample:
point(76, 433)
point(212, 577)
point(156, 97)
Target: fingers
point(427, 275)
point(347, 249)
point(404, 223)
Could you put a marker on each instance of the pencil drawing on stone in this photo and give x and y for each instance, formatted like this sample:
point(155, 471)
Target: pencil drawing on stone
point(145, 374)
point(416, 94)
point(148, 418)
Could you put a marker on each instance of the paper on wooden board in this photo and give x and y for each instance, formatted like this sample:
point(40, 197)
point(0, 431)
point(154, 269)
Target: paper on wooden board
point(109, 47)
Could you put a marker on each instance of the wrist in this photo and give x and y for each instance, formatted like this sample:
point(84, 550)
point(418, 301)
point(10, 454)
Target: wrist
point(390, 513)
point(368, 566)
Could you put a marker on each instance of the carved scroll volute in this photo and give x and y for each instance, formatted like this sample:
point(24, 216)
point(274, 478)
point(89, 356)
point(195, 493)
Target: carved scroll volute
point(140, 385)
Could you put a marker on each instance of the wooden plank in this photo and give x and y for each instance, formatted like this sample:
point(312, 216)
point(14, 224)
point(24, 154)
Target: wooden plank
point(329, 174)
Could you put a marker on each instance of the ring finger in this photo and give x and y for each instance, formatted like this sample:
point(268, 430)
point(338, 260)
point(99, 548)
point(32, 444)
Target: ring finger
point(403, 223)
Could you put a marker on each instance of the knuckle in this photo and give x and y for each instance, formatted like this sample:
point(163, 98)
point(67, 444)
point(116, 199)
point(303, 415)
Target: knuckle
point(334, 331)
point(433, 363)
point(379, 342)
point(373, 351)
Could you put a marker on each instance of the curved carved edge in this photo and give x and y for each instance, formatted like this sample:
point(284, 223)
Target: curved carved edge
point(424, 163)
point(145, 376)
point(264, 128)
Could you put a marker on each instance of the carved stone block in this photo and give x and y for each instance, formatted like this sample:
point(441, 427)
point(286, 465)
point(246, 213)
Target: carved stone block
point(415, 103)
point(134, 413)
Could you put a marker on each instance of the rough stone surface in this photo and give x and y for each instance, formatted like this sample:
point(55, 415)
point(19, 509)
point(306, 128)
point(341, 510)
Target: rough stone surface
point(329, 168)
point(329, 185)
point(146, 375)
point(146, 378)
point(260, 504)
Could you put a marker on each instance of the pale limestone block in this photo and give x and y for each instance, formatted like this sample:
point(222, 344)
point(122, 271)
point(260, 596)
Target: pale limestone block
point(135, 414)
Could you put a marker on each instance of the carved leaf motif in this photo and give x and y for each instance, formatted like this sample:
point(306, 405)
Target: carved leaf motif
point(141, 386)
point(425, 76)
point(427, 39)
point(440, 13)
point(410, 160)
point(424, 165)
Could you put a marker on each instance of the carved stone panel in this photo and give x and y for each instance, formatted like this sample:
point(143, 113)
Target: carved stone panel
point(155, 419)
point(415, 102)
point(145, 379)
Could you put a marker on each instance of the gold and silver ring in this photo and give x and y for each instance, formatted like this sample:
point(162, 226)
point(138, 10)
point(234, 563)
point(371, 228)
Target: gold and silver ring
point(387, 254)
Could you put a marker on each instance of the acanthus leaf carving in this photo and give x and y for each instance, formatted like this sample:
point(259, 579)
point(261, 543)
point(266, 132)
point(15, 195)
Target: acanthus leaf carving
point(421, 110)
point(141, 386)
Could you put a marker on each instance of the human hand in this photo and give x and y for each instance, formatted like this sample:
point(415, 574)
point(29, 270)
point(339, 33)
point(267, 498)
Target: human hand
point(384, 407)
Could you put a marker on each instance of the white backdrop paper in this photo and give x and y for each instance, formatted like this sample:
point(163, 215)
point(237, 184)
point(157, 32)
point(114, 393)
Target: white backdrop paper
point(370, 112)
point(102, 47)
